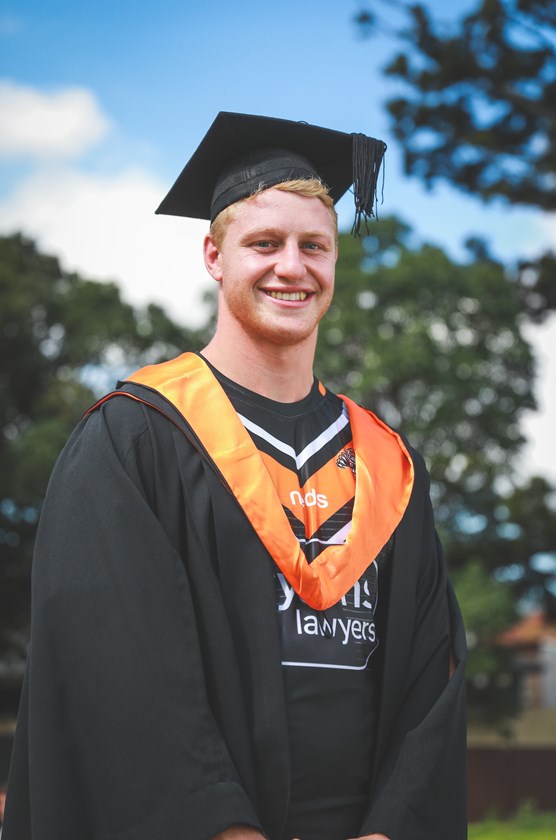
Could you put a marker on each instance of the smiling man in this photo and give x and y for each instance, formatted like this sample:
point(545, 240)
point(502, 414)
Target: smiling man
point(242, 624)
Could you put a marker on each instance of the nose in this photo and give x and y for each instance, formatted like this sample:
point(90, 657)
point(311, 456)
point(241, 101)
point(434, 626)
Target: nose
point(289, 262)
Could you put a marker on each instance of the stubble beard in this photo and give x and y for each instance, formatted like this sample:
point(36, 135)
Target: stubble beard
point(261, 327)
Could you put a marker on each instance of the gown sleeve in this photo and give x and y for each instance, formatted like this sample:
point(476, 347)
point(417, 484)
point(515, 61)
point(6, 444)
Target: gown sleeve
point(115, 737)
point(420, 790)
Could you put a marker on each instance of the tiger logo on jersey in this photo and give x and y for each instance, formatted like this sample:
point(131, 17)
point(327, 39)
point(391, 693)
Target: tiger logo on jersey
point(346, 458)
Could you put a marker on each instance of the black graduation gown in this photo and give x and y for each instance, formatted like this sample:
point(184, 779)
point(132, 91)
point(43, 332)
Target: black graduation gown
point(153, 703)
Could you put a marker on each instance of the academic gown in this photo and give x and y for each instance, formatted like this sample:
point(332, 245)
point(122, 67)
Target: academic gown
point(153, 702)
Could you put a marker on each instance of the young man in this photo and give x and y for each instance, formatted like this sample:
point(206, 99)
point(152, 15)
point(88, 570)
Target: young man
point(242, 624)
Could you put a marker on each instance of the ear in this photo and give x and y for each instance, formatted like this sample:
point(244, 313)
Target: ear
point(211, 254)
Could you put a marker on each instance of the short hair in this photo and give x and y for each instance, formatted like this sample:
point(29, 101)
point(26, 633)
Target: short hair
point(308, 187)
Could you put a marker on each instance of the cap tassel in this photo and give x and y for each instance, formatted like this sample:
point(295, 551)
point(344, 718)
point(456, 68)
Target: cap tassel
point(367, 158)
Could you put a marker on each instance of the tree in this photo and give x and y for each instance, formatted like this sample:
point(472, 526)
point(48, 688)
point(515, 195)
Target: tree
point(434, 346)
point(480, 111)
point(441, 341)
point(61, 338)
point(477, 110)
point(437, 349)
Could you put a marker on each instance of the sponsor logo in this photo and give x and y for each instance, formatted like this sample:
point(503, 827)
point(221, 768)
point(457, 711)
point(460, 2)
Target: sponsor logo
point(344, 629)
point(342, 637)
point(310, 499)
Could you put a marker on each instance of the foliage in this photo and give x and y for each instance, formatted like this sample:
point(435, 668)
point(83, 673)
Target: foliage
point(479, 107)
point(488, 608)
point(437, 349)
point(434, 346)
point(411, 328)
point(58, 334)
point(475, 106)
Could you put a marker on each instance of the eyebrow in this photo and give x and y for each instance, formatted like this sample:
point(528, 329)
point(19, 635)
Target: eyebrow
point(277, 233)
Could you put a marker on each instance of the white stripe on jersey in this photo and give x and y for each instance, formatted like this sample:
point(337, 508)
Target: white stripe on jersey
point(338, 538)
point(311, 449)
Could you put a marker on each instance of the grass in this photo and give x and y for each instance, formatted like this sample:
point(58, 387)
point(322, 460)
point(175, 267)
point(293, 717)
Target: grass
point(528, 824)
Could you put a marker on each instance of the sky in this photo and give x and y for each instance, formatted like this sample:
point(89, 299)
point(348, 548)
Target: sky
point(102, 104)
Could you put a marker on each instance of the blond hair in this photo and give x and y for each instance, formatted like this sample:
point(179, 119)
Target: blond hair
point(308, 187)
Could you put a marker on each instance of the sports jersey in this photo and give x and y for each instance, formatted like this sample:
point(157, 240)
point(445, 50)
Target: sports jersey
point(329, 680)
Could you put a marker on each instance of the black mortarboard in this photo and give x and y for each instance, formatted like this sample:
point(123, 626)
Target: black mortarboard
point(242, 152)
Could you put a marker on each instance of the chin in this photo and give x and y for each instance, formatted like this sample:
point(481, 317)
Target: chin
point(285, 336)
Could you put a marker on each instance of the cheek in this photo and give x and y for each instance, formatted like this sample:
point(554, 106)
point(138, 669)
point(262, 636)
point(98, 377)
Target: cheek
point(242, 268)
point(329, 281)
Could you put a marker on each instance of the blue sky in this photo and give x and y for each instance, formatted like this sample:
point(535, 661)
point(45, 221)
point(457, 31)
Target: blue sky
point(162, 71)
point(102, 104)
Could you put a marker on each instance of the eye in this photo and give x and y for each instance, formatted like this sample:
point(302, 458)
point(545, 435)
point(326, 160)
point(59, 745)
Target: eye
point(311, 246)
point(264, 244)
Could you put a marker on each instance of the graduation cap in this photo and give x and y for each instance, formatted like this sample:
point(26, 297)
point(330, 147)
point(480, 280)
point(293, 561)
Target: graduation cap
point(240, 153)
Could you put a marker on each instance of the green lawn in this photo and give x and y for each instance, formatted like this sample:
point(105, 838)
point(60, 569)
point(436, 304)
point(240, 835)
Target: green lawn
point(527, 825)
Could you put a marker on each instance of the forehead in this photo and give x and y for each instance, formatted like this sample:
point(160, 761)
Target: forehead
point(279, 208)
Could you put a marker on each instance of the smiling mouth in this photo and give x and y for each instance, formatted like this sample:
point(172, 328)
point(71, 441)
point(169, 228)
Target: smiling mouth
point(288, 295)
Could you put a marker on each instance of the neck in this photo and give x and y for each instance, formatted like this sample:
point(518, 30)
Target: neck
point(284, 374)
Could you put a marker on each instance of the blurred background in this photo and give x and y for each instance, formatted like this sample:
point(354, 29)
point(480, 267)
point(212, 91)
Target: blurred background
point(443, 321)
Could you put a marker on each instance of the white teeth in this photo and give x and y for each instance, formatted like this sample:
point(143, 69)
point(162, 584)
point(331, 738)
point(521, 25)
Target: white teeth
point(288, 295)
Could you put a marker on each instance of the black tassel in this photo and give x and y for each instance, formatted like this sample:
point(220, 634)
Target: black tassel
point(367, 158)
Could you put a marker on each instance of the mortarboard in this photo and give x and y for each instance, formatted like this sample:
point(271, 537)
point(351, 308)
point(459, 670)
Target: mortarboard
point(241, 153)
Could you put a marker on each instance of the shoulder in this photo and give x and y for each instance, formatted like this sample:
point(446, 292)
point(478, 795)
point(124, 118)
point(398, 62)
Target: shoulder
point(124, 423)
point(117, 433)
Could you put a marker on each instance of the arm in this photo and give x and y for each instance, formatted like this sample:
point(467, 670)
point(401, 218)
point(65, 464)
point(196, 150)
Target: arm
point(121, 730)
point(419, 792)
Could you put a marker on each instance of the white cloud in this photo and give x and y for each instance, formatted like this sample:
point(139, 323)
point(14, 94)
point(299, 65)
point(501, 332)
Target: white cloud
point(106, 228)
point(61, 124)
